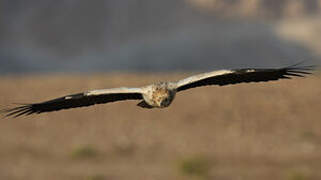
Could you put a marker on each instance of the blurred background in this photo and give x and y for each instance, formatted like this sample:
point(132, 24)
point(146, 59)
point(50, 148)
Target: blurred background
point(244, 132)
point(153, 35)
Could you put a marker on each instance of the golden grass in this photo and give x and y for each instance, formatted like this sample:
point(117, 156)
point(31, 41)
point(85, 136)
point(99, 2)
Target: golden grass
point(249, 131)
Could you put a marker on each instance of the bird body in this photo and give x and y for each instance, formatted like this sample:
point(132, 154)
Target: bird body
point(161, 94)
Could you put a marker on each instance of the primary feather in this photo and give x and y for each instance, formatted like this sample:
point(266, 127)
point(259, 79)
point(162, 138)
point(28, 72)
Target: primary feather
point(76, 100)
point(226, 77)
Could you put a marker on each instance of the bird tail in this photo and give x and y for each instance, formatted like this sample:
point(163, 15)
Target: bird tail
point(143, 104)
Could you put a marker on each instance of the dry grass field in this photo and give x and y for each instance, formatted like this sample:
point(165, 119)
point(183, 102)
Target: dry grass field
point(242, 132)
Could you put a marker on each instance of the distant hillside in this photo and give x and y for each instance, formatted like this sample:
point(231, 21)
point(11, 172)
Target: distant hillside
point(138, 35)
point(260, 8)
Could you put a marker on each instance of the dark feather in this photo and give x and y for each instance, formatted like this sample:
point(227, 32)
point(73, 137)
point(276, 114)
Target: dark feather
point(251, 75)
point(67, 102)
point(143, 104)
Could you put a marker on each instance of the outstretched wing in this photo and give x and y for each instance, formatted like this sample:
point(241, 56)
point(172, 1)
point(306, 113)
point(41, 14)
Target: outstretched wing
point(77, 100)
point(226, 77)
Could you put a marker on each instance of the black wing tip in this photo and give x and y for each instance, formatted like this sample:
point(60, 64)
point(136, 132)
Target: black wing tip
point(299, 70)
point(21, 110)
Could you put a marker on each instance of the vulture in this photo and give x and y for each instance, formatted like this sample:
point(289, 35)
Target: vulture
point(160, 94)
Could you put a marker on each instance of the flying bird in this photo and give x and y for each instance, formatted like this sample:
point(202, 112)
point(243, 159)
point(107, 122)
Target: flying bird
point(161, 94)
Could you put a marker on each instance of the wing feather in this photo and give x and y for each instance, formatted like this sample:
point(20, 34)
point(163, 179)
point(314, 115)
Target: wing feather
point(235, 76)
point(77, 100)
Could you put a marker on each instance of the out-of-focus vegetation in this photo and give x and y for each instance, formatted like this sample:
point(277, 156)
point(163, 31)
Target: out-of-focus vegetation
point(84, 152)
point(196, 166)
